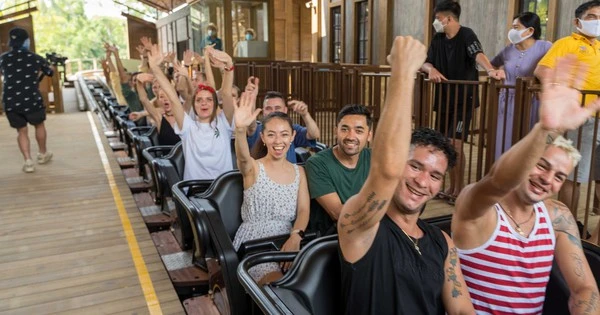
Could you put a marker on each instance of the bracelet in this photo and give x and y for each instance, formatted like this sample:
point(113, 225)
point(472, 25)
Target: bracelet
point(229, 69)
point(299, 232)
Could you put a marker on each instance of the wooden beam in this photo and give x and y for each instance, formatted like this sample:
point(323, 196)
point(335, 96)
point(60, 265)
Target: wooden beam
point(552, 20)
point(19, 13)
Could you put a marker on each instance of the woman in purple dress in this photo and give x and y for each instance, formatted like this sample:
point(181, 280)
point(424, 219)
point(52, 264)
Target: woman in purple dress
point(518, 59)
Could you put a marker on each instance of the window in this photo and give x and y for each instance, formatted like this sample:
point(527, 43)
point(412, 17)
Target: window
point(207, 16)
point(362, 28)
point(336, 34)
point(250, 18)
point(539, 7)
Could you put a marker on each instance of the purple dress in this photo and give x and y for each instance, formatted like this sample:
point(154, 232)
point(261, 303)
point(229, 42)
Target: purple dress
point(516, 64)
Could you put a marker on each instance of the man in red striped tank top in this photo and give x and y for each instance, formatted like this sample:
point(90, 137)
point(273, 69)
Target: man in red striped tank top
point(507, 228)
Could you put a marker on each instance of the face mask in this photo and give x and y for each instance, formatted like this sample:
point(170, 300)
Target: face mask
point(248, 37)
point(438, 26)
point(210, 32)
point(515, 36)
point(26, 44)
point(590, 28)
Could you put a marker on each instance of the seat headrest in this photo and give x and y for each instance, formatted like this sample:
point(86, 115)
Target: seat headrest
point(226, 195)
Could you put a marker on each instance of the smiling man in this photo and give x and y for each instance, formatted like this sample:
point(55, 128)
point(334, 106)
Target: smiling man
point(507, 229)
point(338, 173)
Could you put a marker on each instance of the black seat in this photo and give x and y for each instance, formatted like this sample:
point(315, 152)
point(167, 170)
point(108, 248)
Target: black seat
point(312, 286)
point(131, 132)
point(142, 140)
point(166, 171)
point(182, 229)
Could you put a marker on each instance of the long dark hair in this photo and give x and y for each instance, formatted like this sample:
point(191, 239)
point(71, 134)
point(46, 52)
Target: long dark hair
point(259, 150)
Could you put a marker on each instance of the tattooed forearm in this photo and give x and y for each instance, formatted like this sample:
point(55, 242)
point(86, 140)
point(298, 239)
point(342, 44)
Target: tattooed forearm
point(451, 273)
point(578, 265)
point(574, 239)
point(363, 215)
point(587, 306)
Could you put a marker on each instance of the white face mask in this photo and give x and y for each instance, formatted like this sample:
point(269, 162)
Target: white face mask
point(590, 28)
point(210, 32)
point(438, 26)
point(516, 36)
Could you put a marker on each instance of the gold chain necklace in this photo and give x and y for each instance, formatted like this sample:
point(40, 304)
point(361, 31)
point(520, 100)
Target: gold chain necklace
point(415, 242)
point(518, 225)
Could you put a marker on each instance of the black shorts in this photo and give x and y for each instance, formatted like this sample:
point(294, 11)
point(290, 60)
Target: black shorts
point(445, 123)
point(20, 120)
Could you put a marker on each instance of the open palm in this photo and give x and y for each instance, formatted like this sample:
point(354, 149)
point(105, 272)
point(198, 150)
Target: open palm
point(560, 100)
point(244, 113)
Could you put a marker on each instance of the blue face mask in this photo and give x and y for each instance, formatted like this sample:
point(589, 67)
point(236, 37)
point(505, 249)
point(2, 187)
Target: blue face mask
point(26, 44)
point(210, 32)
point(248, 36)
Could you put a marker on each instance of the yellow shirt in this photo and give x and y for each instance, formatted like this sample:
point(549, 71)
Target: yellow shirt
point(586, 52)
point(115, 84)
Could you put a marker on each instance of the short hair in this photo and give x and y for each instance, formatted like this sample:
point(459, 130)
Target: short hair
point(212, 26)
point(422, 137)
point(356, 109)
point(448, 6)
point(530, 19)
point(273, 94)
point(567, 146)
point(586, 6)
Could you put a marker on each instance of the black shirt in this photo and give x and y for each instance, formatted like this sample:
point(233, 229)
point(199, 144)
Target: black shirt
point(392, 278)
point(166, 134)
point(455, 59)
point(21, 69)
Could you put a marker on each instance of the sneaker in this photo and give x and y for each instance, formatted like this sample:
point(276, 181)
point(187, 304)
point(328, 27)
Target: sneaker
point(28, 167)
point(44, 158)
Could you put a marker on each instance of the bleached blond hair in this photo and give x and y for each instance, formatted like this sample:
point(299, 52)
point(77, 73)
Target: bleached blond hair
point(567, 146)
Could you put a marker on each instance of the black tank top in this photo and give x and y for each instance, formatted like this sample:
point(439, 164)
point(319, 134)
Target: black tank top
point(392, 278)
point(166, 134)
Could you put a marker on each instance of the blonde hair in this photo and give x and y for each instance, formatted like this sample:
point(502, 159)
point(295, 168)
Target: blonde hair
point(567, 146)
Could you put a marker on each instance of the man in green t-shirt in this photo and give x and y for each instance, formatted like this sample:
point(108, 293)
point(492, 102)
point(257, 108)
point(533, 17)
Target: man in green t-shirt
point(336, 174)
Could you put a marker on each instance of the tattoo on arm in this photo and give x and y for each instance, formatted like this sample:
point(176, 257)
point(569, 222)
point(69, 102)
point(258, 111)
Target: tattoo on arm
point(451, 274)
point(360, 217)
point(589, 306)
point(578, 265)
point(566, 224)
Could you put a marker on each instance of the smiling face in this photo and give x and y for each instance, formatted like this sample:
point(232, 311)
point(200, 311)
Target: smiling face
point(422, 178)
point(277, 135)
point(353, 134)
point(547, 177)
point(204, 105)
point(274, 104)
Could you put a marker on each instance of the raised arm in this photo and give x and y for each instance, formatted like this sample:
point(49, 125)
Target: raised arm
point(361, 214)
point(223, 62)
point(455, 294)
point(141, 80)
point(252, 87)
point(312, 129)
point(245, 114)
point(155, 58)
point(208, 73)
point(560, 110)
point(122, 73)
point(584, 297)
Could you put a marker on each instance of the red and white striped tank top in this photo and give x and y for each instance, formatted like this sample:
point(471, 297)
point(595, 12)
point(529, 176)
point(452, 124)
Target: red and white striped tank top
point(508, 274)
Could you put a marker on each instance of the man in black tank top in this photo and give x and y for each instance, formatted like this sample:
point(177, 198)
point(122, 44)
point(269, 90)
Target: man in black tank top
point(392, 262)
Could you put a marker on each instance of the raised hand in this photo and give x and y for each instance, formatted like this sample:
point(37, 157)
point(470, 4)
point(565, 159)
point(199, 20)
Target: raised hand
point(169, 57)
point(245, 113)
point(180, 68)
point(219, 59)
point(298, 106)
point(252, 86)
point(141, 50)
point(407, 56)
point(197, 59)
point(155, 57)
point(145, 77)
point(146, 42)
point(188, 55)
point(560, 101)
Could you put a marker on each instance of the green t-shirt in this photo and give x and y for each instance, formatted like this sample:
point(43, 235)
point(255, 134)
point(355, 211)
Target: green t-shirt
point(133, 101)
point(325, 175)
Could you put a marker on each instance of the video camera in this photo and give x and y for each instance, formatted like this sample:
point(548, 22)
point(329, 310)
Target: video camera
point(56, 59)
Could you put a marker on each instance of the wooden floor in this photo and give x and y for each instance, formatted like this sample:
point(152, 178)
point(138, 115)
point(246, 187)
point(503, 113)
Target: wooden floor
point(63, 247)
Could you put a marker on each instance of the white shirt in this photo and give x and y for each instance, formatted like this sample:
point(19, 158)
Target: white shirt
point(206, 147)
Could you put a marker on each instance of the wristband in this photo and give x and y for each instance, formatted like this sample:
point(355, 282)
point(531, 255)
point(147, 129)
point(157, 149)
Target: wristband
point(229, 69)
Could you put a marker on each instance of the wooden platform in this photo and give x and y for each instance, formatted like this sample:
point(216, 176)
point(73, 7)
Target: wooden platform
point(64, 248)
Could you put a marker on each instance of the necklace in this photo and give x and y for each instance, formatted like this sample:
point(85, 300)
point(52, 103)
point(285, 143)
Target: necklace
point(518, 225)
point(415, 242)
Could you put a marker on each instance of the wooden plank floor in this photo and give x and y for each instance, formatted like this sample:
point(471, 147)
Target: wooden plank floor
point(63, 248)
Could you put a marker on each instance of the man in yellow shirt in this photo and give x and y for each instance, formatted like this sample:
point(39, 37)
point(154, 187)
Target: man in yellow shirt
point(584, 45)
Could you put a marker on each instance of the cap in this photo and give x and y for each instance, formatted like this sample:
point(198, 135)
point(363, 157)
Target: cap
point(17, 36)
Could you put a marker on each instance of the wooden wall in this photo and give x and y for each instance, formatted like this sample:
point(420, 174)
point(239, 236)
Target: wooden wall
point(566, 17)
point(136, 29)
point(292, 28)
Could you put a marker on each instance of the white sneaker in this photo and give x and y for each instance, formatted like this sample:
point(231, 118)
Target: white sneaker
point(44, 158)
point(28, 167)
